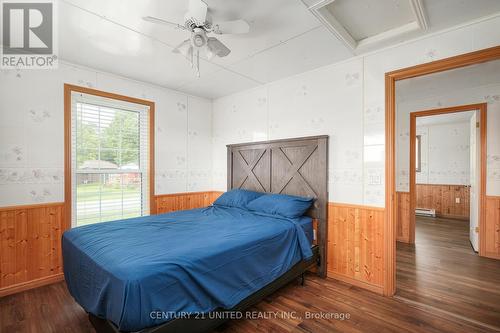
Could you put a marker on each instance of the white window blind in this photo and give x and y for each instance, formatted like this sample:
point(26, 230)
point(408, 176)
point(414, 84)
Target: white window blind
point(110, 159)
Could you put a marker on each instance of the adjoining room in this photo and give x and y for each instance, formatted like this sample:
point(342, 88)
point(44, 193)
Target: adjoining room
point(445, 176)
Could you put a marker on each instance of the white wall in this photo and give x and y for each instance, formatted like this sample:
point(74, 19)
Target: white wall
point(346, 101)
point(300, 106)
point(483, 94)
point(445, 154)
point(32, 133)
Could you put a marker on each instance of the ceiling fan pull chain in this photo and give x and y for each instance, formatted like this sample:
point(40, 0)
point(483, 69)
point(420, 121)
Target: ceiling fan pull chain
point(192, 60)
point(198, 63)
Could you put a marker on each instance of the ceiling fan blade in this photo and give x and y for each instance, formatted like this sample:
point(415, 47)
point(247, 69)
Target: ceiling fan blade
point(163, 22)
point(231, 27)
point(198, 11)
point(183, 48)
point(216, 47)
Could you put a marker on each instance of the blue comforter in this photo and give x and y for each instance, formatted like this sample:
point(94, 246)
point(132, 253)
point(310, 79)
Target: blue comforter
point(188, 261)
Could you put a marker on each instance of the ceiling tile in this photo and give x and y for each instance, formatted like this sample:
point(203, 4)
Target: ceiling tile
point(311, 50)
point(367, 18)
point(218, 84)
point(271, 23)
point(447, 13)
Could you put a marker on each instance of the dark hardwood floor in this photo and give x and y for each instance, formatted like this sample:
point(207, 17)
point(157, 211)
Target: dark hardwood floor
point(51, 309)
point(442, 273)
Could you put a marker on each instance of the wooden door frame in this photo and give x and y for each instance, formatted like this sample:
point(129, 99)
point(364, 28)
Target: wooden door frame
point(482, 108)
point(68, 89)
point(390, 144)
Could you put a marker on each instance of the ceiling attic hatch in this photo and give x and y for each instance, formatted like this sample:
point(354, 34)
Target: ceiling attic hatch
point(368, 24)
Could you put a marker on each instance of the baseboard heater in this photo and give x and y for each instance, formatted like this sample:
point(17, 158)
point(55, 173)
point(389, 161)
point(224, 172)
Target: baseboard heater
point(425, 212)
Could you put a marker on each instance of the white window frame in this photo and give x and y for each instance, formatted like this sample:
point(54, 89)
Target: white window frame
point(145, 158)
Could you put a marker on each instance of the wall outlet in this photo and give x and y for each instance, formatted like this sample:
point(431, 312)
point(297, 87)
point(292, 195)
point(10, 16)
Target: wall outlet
point(457, 200)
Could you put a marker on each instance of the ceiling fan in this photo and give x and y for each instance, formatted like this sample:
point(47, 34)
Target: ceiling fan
point(198, 22)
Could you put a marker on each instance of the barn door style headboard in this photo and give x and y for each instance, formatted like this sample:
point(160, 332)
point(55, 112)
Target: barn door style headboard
point(297, 166)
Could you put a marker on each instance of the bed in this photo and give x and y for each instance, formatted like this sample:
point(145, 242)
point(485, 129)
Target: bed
point(165, 273)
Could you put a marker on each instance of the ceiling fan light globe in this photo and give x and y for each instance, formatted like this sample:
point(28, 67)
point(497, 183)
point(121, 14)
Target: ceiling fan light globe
point(198, 41)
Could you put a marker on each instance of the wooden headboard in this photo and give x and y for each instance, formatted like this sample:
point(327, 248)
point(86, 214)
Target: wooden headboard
point(297, 166)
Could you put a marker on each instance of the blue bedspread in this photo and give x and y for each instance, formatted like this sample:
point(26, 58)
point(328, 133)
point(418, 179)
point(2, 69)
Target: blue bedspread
point(188, 261)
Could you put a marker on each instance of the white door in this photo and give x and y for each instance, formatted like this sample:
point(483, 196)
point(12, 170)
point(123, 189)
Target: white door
point(474, 181)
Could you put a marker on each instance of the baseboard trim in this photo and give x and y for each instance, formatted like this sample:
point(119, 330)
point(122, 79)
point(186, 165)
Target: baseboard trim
point(453, 217)
point(17, 288)
point(361, 284)
point(492, 255)
point(406, 241)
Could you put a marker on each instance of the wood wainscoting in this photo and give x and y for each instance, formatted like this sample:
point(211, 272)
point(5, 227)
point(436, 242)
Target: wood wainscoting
point(439, 197)
point(356, 245)
point(404, 233)
point(30, 241)
point(492, 227)
point(442, 198)
point(180, 201)
point(30, 246)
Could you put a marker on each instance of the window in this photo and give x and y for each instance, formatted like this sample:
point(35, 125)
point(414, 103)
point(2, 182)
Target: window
point(109, 158)
point(418, 151)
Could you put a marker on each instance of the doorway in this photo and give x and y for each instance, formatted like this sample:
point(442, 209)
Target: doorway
point(392, 200)
point(455, 190)
point(437, 268)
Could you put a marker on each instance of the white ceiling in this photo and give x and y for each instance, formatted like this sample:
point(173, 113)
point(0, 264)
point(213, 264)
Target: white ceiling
point(367, 18)
point(285, 39)
point(450, 118)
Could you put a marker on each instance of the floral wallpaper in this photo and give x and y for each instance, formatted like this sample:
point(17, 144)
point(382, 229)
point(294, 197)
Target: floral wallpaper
point(345, 101)
point(455, 172)
point(302, 106)
point(445, 154)
point(32, 133)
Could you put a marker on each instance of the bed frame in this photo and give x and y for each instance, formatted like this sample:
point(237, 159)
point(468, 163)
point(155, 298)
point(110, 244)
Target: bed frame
point(297, 166)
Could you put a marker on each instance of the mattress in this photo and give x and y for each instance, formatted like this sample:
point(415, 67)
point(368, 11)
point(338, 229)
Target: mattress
point(144, 271)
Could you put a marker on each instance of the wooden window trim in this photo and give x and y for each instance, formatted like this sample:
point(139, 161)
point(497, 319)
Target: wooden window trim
point(463, 60)
point(68, 89)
